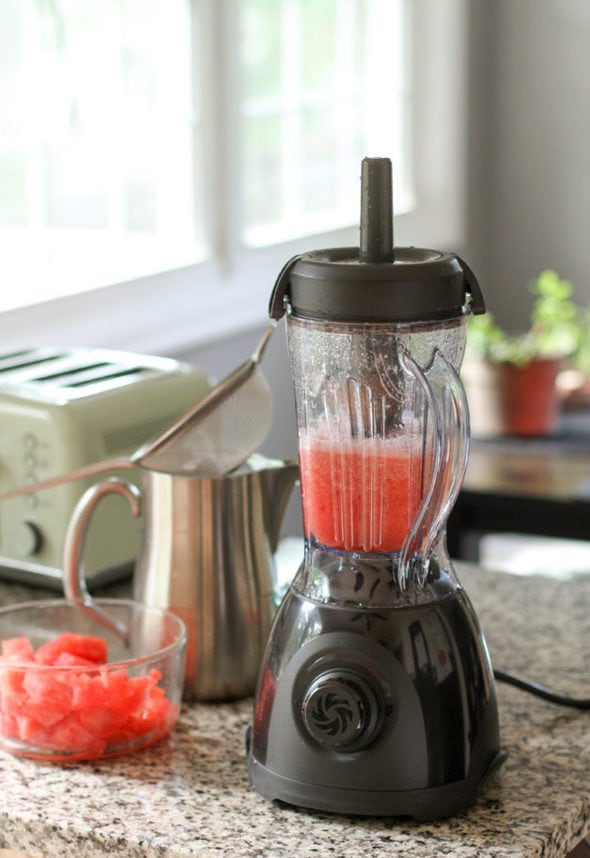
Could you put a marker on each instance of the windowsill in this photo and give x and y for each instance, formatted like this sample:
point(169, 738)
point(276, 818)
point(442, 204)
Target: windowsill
point(175, 311)
point(161, 314)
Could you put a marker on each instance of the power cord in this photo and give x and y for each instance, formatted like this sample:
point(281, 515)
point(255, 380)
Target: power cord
point(541, 690)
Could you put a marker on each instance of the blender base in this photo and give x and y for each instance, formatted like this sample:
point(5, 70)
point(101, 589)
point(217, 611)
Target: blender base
point(419, 804)
point(375, 712)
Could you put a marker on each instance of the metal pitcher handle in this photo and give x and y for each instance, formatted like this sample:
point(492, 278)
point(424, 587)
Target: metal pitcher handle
point(75, 586)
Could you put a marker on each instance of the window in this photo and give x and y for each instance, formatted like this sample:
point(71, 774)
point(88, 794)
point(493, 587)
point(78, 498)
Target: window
point(184, 150)
point(96, 143)
point(315, 81)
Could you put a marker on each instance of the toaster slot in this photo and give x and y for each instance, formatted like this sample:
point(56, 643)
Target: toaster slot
point(116, 373)
point(91, 374)
point(25, 360)
point(9, 357)
point(66, 373)
point(68, 376)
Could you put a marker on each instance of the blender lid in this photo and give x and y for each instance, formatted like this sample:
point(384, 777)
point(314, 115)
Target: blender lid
point(376, 281)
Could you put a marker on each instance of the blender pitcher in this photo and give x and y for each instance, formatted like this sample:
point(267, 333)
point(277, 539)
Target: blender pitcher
point(376, 693)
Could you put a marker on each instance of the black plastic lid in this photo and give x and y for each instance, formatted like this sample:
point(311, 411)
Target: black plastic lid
point(376, 282)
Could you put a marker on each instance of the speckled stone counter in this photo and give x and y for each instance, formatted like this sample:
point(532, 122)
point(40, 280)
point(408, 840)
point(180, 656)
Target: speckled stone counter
point(189, 796)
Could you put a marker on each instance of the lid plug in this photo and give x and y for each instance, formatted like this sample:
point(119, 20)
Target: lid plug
point(376, 232)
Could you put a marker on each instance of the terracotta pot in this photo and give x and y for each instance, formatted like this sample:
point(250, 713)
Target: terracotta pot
point(529, 399)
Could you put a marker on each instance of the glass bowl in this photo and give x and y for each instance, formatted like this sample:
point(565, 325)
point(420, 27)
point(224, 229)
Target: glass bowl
point(64, 698)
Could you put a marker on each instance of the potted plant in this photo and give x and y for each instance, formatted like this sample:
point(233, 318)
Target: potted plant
point(518, 371)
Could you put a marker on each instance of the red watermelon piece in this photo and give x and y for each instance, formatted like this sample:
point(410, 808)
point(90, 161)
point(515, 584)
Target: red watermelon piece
point(89, 647)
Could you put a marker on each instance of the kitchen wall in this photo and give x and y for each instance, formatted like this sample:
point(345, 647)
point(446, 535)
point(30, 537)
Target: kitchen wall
point(529, 145)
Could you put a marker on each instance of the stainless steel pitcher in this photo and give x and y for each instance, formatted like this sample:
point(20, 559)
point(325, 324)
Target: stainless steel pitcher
point(207, 554)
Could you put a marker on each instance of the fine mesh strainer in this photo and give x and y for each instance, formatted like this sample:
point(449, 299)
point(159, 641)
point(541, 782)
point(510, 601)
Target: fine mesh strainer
point(221, 430)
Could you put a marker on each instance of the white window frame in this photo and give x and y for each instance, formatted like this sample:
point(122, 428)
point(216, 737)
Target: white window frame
point(174, 311)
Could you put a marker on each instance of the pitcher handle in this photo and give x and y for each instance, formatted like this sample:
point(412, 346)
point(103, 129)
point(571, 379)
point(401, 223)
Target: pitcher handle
point(75, 587)
point(455, 453)
point(447, 402)
point(414, 554)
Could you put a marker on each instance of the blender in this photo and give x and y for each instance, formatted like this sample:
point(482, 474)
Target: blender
point(376, 693)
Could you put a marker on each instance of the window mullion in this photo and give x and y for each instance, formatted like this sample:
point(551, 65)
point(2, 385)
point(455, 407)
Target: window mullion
point(292, 120)
point(220, 123)
point(37, 203)
point(115, 196)
point(347, 86)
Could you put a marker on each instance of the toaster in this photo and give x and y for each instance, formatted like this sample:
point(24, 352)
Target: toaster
point(62, 409)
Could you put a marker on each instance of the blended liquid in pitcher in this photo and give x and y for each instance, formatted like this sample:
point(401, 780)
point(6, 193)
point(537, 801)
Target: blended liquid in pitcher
point(360, 494)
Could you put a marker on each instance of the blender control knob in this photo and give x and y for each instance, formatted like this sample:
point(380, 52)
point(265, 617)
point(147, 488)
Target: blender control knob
point(342, 710)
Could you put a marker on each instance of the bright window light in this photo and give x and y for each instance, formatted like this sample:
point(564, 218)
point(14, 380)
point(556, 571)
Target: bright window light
point(98, 143)
point(323, 84)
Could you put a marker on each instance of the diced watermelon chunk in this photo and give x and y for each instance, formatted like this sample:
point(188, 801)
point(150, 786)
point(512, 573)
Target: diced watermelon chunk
point(100, 722)
point(17, 649)
point(50, 687)
point(42, 714)
point(11, 679)
point(68, 659)
point(92, 648)
point(90, 690)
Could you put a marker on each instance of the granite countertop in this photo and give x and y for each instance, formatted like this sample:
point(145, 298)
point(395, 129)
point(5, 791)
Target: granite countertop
point(189, 795)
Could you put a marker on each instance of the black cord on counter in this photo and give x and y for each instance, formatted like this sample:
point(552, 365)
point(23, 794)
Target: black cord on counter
point(541, 690)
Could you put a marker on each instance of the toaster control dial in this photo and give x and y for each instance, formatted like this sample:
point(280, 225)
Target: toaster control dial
point(26, 539)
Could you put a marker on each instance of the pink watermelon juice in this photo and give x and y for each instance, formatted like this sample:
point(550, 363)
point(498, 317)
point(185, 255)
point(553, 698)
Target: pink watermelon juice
point(362, 494)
